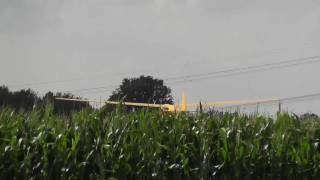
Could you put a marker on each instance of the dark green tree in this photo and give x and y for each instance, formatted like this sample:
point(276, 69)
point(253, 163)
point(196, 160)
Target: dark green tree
point(22, 100)
point(5, 96)
point(63, 106)
point(144, 89)
point(26, 100)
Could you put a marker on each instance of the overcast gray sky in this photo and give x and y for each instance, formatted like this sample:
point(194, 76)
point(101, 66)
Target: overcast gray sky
point(42, 40)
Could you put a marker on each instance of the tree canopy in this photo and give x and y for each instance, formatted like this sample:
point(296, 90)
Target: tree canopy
point(20, 100)
point(26, 100)
point(63, 106)
point(144, 89)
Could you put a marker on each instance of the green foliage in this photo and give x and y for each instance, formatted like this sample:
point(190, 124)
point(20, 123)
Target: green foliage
point(28, 100)
point(64, 107)
point(23, 100)
point(144, 89)
point(156, 145)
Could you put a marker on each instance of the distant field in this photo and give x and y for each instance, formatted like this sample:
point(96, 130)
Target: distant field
point(157, 145)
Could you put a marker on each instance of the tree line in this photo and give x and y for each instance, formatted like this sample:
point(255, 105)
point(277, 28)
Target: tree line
point(27, 100)
point(143, 89)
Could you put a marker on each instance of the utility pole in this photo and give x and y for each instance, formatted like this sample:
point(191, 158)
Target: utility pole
point(100, 102)
point(238, 109)
point(280, 108)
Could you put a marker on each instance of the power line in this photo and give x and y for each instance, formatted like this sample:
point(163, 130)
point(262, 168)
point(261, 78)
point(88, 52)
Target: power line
point(301, 98)
point(105, 88)
point(211, 75)
point(282, 100)
point(95, 92)
point(245, 70)
point(171, 78)
point(64, 80)
point(44, 83)
point(224, 73)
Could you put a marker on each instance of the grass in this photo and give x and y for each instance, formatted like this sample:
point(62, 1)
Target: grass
point(156, 145)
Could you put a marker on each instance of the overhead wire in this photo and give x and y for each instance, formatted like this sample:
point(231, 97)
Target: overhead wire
point(105, 88)
point(204, 76)
point(225, 73)
point(305, 97)
point(245, 70)
point(170, 78)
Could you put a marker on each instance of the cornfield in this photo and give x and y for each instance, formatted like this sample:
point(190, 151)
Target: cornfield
point(156, 145)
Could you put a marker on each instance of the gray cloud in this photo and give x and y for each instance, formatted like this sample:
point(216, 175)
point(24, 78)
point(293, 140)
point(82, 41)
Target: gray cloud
point(23, 17)
point(53, 40)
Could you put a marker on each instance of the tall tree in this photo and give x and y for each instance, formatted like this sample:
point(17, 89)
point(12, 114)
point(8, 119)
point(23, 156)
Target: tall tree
point(5, 95)
point(64, 106)
point(144, 89)
point(19, 100)
point(26, 100)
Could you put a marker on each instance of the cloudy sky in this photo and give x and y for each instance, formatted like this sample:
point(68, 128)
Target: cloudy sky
point(66, 45)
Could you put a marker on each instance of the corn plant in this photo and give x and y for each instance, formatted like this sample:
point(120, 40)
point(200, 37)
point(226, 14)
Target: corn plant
point(157, 145)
